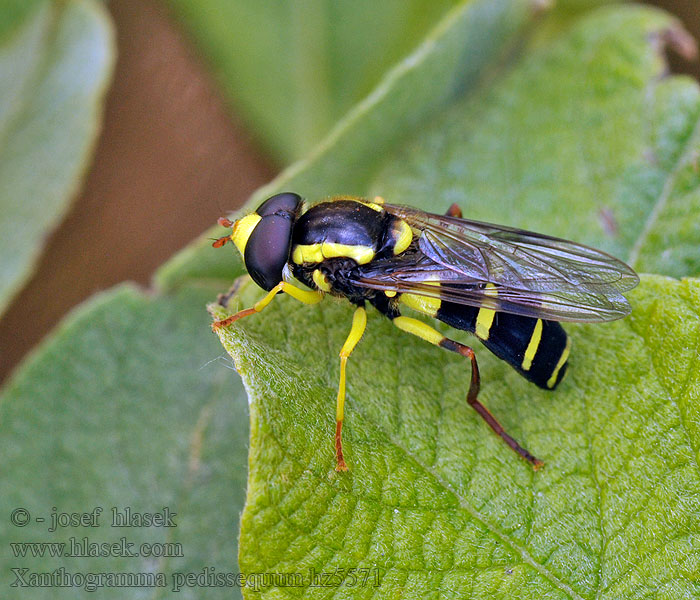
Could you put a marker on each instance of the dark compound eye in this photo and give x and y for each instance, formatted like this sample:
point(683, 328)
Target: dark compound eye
point(267, 249)
point(286, 202)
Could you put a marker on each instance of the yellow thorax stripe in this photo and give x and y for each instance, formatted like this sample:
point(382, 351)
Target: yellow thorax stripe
point(373, 206)
point(402, 234)
point(242, 230)
point(321, 281)
point(316, 253)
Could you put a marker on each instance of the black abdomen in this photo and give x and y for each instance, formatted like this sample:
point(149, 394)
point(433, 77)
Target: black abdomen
point(536, 348)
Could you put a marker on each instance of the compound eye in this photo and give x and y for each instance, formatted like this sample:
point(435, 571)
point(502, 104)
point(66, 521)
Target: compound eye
point(267, 250)
point(286, 202)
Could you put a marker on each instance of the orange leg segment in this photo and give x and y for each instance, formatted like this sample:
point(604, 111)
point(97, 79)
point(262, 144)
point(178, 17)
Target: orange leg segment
point(305, 296)
point(433, 336)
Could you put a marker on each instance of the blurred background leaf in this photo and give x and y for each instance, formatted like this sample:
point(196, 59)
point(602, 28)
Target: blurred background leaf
point(127, 404)
point(56, 60)
point(294, 68)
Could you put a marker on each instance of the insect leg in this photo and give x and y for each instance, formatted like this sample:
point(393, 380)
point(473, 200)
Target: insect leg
point(454, 211)
point(224, 298)
point(429, 334)
point(305, 296)
point(359, 322)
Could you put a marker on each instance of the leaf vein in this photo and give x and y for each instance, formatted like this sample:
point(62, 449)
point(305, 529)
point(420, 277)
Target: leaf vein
point(481, 518)
point(665, 194)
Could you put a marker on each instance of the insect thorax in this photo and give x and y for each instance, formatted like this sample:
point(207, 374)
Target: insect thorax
point(333, 239)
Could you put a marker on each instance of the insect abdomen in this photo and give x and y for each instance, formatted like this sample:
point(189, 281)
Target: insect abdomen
point(536, 348)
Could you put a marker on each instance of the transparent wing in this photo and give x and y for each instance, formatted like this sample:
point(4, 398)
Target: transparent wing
point(533, 274)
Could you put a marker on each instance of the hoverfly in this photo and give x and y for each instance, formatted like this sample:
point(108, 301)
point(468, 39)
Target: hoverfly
point(507, 286)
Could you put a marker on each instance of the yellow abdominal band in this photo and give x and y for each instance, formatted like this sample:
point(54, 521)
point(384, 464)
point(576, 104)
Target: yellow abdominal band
point(484, 320)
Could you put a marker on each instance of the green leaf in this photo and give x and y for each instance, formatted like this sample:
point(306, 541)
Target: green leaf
point(14, 12)
point(585, 138)
point(127, 405)
point(55, 64)
point(437, 504)
point(294, 68)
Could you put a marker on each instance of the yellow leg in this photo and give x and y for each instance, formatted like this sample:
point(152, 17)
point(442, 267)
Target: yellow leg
point(420, 329)
point(305, 296)
point(359, 322)
point(429, 334)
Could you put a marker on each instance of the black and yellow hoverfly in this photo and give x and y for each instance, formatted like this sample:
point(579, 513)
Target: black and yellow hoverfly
point(507, 286)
